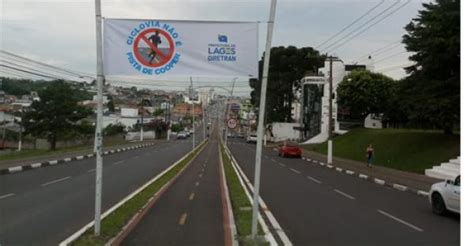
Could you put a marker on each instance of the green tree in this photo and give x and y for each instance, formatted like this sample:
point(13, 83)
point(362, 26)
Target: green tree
point(57, 114)
point(158, 112)
point(363, 92)
point(288, 65)
point(433, 86)
point(111, 104)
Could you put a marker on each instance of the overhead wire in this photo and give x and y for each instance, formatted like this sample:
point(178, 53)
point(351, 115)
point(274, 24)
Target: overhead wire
point(367, 28)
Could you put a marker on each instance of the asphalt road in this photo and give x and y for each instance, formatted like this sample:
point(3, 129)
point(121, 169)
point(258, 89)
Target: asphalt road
point(46, 205)
point(316, 205)
point(190, 212)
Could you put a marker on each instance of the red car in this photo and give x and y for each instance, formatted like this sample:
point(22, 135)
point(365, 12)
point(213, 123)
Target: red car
point(289, 149)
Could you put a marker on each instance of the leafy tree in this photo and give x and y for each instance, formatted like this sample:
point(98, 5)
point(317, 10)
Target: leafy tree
point(111, 104)
point(158, 112)
point(433, 85)
point(57, 114)
point(288, 65)
point(114, 129)
point(363, 92)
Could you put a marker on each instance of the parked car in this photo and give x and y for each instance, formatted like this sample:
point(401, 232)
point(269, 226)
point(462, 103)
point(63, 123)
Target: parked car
point(289, 149)
point(181, 135)
point(188, 134)
point(446, 196)
point(252, 138)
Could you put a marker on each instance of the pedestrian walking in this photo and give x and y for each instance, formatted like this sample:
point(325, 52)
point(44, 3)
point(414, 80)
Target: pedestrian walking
point(370, 155)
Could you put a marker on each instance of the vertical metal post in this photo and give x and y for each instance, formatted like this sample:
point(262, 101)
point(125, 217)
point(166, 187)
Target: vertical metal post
point(330, 112)
point(261, 115)
point(141, 123)
point(98, 131)
point(192, 101)
point(203, 123)
point(21, 129)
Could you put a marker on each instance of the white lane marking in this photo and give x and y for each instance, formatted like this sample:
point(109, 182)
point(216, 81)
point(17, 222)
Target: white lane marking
point(422, 193)
point(197, 183)
point(7, 195)
point(15, 169)
point(314, 180)
point(338, 169)
point(296, 171)
point(349, 172)
point(67, 160)
point(281, 164)
point(329, 166)
point(91, 170)
point(315, 161)
point(344, 194)
point(80, 157)
point(400, 220)
point(273, 160)
point(53, 162)
point(200, 175)
point(118, 162)
point(56, 181)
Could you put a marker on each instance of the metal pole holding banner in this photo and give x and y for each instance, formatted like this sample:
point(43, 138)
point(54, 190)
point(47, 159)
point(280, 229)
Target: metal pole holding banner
point(261, 115)
point(330, 120)
point(192, 101)
point(98, 131)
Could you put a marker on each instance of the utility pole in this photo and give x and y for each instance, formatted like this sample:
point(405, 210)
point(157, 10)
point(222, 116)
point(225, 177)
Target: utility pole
point(330, 120)
point(192, 101)
point(141, 123)
point(21, 129)
point(261, 115)
point(98, 131)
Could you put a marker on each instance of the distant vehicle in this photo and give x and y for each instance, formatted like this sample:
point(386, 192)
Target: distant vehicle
point(187, 133)
point(181, 135)
point(240, 135)
point(289, 149)
point(252, 138)
point(446, 196)
point(191, 131)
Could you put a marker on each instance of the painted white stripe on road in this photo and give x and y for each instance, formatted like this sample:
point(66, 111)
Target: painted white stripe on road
point(91, 170)
point(400, 187)
point(400, 220)
point(363, 176)
point(67, 160)
point(329, 166)
point(349, 172)
point(296, 171)
point(197, 183)
point(314, 180)
point(338, 169)
point(344, 194)
point(315, 161)
point(79, 157)
point(379, 181)
point(422, 193)
point(7, 195)
point(118, 162)
point(15, 169)
point(273, 160)
point(53, 162)
point(56, 181)
point(281, 164)
point(36, 165)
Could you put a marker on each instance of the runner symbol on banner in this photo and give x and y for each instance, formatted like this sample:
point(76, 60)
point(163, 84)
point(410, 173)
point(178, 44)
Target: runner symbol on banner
point(232, 123)
point(153, 47)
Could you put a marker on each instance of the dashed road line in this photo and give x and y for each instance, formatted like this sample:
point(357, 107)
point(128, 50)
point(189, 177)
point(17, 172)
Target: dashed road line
point(191, 197)
point(182, 219)
point(281, 164)
point(344, 194)
point(7, 195)
point(314, 180)
point(118, 162)
point(200, 175)
point(295, 171)
point(197, 183)
point(416, 228)
point(55, 181)
point(91, 170)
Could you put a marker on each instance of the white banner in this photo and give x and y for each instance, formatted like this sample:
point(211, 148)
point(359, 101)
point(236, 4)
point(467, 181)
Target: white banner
point(157, 48)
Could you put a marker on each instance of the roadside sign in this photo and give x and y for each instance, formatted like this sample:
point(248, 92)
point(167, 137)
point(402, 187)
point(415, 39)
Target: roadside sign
point(232, 123)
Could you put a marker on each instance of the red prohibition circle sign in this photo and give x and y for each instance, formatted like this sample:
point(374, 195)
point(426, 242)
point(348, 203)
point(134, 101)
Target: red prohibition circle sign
point(163, 59)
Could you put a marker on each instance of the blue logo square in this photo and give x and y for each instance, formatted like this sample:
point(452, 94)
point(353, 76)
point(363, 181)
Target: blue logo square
point(222, 38)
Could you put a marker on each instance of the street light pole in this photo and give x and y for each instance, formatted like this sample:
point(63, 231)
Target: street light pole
point(261, 115)
point(227, 111)
point(330, 118)
point(192, 101)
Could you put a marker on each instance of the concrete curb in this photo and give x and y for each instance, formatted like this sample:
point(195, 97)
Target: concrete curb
point(17, 169)
point(375, 180)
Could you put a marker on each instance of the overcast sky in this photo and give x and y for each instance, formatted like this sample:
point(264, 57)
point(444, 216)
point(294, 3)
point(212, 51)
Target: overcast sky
point(62, 32)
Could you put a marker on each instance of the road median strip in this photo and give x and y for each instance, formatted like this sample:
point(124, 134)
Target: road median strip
point(120, 219)
point(22, 168)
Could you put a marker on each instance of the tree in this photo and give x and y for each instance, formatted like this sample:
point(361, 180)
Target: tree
point(158, 112)
point(57, 114)
point(111, 104)
point(433, 85)
point(362, 93)
point(287, 67)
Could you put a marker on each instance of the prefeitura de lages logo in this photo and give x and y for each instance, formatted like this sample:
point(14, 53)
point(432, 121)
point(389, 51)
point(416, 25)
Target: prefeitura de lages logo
point(153, 47)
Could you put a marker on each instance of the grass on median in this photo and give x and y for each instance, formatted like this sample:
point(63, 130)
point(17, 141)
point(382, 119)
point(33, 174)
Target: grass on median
point(242, 209)
point(31, 153)
point(402, 149)
point(112, 224)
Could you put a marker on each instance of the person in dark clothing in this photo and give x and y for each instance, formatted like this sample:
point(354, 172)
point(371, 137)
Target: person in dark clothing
point(155, 40)
point(370, 155)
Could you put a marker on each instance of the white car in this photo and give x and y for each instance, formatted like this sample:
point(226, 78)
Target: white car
point(446, 196)
point(252, 138)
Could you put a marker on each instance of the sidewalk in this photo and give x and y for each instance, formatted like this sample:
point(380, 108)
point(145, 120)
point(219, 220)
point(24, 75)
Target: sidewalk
point(55, 156)
point(413, 180)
